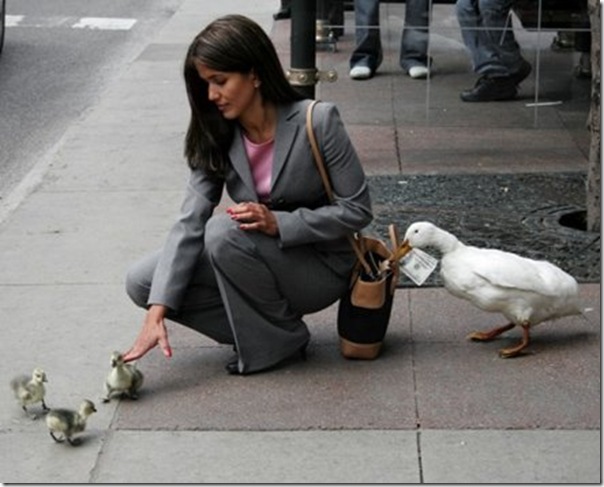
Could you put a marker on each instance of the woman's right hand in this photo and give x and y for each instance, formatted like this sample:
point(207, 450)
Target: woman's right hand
point(255, 217)
point(153, 333)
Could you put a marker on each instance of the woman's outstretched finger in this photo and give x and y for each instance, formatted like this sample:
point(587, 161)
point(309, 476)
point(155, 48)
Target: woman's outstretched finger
point(165, 346)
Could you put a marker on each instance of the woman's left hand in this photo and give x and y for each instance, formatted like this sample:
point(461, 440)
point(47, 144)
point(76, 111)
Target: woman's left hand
point(254, 216)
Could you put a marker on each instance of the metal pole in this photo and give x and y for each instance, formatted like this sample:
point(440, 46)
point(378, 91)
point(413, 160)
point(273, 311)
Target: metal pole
point(303, 72)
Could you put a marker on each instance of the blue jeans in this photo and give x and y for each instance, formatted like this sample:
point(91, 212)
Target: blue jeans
point(486, 30)
point(414, 41)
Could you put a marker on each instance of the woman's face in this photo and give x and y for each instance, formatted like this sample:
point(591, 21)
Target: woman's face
point(233, 93)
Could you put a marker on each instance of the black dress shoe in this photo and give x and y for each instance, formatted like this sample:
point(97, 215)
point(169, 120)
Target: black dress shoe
point(522, 73)
point(284, 13)
point(491, 89)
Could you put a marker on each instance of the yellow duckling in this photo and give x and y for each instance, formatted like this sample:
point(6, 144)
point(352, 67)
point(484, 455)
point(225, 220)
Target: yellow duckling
point(526, 291)
point(64, 423)
point(123, 379)
point(30, 389)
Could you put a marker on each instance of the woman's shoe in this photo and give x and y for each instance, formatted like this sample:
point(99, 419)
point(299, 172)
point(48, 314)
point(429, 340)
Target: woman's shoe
point(232, 367)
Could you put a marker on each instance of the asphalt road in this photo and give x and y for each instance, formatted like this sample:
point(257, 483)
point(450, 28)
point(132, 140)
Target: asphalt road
point(58, 57)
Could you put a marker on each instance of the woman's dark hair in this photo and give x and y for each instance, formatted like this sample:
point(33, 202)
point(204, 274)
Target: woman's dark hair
point(232, 43)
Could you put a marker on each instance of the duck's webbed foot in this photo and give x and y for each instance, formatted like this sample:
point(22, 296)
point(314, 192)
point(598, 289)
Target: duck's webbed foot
point(44, 406)
point(108, 395)
point(517, 350)
point(32, 416)
point(58, 440)
point(74, 441)
point(485, 336)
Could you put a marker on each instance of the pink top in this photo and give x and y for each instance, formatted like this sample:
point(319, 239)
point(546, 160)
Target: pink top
point(261, 164)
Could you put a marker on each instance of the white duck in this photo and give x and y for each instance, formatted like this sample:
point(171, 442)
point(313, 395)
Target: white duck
point(64, 423)
point(30, 389)
point(527, 292)
point(122, 379)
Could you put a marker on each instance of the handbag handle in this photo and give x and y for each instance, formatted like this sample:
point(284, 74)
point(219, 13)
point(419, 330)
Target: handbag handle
point(320, 163)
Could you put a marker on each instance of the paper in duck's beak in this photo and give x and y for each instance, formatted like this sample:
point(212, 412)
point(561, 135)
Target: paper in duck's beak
point(403, 250)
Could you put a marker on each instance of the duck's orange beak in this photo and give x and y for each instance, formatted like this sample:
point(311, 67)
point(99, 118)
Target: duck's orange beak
point(403, 250)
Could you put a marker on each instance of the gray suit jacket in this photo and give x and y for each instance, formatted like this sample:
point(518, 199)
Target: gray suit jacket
point(298, 198)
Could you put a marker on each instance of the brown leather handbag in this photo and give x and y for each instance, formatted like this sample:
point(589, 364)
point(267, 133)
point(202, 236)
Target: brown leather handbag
point(364, 311)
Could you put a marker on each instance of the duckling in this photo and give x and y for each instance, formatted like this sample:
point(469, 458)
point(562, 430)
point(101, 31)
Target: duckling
point(64, 423)
point(30, 390)
point(123, 379)
point(526, 291)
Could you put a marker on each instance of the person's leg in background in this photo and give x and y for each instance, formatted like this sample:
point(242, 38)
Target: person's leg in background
point(367, 54)
point(415, 39)
point(284, 11)
point(333, 12)
point(488, 34)
point(582, 44)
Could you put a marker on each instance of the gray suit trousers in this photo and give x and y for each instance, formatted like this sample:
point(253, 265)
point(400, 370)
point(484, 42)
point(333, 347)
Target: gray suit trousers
point(249, 291)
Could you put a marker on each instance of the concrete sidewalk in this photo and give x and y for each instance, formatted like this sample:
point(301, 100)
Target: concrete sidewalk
point(434, 408)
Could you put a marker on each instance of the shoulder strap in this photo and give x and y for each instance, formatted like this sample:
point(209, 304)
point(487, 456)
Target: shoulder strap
point(316, 152)
point(318, 157)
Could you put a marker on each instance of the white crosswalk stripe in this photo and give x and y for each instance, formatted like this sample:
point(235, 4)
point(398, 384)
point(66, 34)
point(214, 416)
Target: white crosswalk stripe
point(93, 23)
point(12, 20)
point(104, 23)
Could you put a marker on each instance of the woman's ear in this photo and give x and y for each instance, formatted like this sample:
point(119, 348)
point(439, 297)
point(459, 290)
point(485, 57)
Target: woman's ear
point(255, 79)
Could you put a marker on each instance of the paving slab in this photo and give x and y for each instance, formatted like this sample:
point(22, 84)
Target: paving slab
point(511, 457)
point(313, 457)
point(554, 385)
point(553, 389)
point(51, 242)
point(34, 458)
point(376, 148)
point(86, 166)
point(486, 150)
